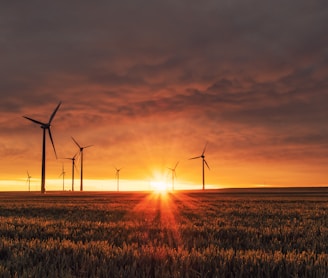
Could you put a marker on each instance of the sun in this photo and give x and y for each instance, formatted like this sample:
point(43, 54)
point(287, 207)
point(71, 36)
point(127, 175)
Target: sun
point(159, 186)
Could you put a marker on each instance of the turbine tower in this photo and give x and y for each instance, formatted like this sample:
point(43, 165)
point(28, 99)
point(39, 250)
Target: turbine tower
point(118, 178)
point(28, 180)
point(81, 157)
point(63, 174)
point(45, 127)
point(73, 166)
point(202, 156)
point(173, 174)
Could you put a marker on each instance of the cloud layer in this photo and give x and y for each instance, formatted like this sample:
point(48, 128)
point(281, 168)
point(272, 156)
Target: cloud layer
point(149, 82)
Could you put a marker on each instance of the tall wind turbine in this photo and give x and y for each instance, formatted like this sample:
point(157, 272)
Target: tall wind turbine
point(63, 174)
point(174, 174)
point(81, 157)
point(202, 156)
point(118, 178)
point(28, 180)
point(73, 167)
point(45, 126)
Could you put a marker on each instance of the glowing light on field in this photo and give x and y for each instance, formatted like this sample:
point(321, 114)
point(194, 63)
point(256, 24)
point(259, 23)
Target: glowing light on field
point(160, 210)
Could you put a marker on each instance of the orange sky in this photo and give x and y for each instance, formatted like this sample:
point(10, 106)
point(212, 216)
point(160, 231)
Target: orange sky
point(148, 85)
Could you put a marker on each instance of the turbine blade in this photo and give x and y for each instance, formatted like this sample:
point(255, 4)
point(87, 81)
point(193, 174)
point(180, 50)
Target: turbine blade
point(195, 157)
point(76, 142)
point(176, 165)
point(52, 142)
point(77, 161)
point(71, 158)
point(206, 164)
point(34, 121)
point(54, 113)
point(87, 146)
point(204, 149)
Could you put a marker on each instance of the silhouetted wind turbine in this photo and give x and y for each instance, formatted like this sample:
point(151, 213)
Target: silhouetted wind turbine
point(29, 181)
point(63, 174)
point(73, 166)
point(202, 156)
point(45, 126)
point(174, 174)
point(81, 157)
point(118, 178)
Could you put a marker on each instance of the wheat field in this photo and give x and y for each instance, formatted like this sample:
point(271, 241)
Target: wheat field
point(224, 233)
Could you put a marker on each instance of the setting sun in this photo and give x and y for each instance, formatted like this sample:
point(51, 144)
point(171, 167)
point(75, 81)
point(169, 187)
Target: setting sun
point(159, 186)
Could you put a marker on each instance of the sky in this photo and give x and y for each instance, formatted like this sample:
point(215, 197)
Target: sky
point(150, 83)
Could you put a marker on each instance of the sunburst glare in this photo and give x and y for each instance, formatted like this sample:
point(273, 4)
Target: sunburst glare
point(158, 186)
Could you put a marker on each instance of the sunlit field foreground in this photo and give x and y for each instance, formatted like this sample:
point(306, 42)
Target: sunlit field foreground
point(261, 233)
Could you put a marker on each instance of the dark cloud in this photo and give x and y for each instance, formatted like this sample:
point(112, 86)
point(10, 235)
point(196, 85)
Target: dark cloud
point(251, 76)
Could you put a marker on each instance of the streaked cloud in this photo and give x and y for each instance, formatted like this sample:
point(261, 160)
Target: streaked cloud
point(165, 77)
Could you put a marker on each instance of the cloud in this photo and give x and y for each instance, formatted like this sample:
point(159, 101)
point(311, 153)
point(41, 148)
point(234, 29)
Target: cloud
point(250, 77)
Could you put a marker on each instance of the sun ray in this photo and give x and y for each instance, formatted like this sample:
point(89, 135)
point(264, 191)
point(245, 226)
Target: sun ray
point(169, 212)
point(158, 214)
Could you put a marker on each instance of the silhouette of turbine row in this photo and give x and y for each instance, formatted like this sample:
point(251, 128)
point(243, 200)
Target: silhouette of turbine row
point(46, 127)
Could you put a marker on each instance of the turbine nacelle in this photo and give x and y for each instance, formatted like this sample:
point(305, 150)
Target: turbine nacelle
point(45, 126)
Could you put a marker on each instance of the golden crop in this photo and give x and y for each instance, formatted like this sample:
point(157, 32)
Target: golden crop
point(153, 235)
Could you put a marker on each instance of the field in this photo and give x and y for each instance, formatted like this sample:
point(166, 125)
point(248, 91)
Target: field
point(224, 233)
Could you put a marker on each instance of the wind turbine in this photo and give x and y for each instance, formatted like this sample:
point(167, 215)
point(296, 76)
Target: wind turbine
point(28, 180)
point(173, 174)
point(73, 166)
point(81, 157)
point(118, 178)
point(45, 126)
point(63, 174)
point(202, 156)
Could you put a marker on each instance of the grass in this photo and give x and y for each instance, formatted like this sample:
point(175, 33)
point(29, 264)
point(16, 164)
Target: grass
point(227, 233)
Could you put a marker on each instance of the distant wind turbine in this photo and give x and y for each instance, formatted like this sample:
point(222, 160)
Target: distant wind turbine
point(173, 174)
point(28, 180)
point(118, 178)
point(202, 156)
point(81, 157)
point(45, 126)
point(73, 167)
point(63, 174)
